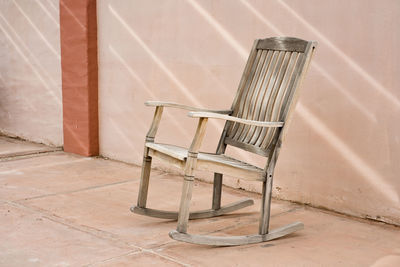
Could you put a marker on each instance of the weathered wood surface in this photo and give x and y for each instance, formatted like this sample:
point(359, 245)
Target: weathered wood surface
point(176, 156)
point(201, 214)
point(257, 122)
point(180, 106)
point(154, 125)
point(236, 240)
point(144, 180)
point(235, 119)
point(283, 44)
point(183, 216)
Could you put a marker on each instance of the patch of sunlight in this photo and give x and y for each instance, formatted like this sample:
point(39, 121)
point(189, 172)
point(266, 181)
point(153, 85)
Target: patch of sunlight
point(392, 259)
point(357, 68)
point(160, 64)
point(68, 130)
point(155, 58)
point(71, 13)
point(130, 70)
point(26, 102)
point(346, 93)
point(28, 51)
point(261, 17)
point(221, 30)
point(44, 39)
point(374, 178)
point(127, 142)
point(315, 65)
point(212, 75)
point(50, 4)
point(54, 19)
point(170, 118)
point(34, 69)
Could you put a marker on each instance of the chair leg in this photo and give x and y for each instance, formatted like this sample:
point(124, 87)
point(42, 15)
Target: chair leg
point(217, 191)
point(144, 179)
point(186, 197)
point(264, 234)
point(217, 209)
point(265, 205)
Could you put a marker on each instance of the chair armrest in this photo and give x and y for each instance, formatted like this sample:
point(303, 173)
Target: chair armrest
point(235, 119)
point(180, 106)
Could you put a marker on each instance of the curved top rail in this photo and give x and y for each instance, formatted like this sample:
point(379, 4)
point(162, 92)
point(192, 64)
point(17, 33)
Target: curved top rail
point(291, 44)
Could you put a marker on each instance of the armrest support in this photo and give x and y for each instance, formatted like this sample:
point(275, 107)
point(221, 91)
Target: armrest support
point(154, 124)
point(235, 119)
point(180, 106)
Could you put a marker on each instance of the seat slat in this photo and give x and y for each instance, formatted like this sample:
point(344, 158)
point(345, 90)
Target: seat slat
point(208, 161)
point(171, 150)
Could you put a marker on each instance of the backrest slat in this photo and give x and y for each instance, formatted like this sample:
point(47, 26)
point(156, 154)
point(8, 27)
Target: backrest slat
point(238, 109)
point(251, 92)
point(259, 94)
point(280, 71)
point(275, 106)
point(267, 85)
point(266, 91)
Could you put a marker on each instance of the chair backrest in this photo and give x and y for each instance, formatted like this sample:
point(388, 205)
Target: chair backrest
point(267, 91)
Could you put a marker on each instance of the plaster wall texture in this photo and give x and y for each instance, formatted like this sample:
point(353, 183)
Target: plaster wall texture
point(30, 71)
point(342, 151)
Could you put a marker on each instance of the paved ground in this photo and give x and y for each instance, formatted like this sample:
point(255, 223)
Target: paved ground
point(58, 209)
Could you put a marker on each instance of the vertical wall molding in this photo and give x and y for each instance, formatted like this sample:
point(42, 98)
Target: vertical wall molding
point(78, 30)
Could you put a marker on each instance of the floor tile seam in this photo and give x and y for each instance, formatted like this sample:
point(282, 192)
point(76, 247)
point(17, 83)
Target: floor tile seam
point(133, 252)
point(101, 234)
point(166, 257)
point(75, 191)
point(28, 154)
point(31, 166)
point(142, 251)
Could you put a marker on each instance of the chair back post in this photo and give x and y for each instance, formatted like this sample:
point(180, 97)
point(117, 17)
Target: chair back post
point(274, 152)
point(217, 185)
point(308, 55)
point(221, 144)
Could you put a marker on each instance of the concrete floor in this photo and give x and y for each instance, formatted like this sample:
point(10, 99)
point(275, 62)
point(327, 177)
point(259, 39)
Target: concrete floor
point(58, 209)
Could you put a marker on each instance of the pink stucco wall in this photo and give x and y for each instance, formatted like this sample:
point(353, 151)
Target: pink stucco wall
point(30, 71)
point(342, 151)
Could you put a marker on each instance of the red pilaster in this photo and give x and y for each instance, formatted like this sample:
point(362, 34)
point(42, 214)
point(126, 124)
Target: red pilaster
point(78, 26)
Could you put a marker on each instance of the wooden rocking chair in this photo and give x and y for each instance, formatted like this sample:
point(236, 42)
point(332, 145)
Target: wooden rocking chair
point(256, 122)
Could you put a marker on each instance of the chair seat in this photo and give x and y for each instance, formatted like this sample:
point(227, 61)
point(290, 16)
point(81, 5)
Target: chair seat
point(212, 162)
